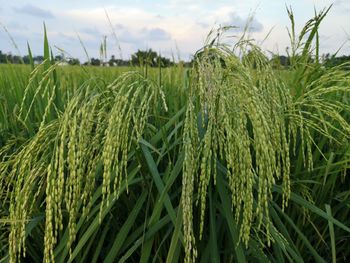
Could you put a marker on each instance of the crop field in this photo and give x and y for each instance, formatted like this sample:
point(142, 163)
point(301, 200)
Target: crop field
point(233, 159)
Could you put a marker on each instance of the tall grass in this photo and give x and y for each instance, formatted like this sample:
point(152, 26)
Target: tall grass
point(229, 161)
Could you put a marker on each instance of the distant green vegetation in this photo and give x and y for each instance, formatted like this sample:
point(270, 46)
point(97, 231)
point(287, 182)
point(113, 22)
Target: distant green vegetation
point(139, 58)
point(234, 159)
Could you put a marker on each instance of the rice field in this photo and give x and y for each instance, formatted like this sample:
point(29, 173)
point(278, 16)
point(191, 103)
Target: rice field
point(231, 160)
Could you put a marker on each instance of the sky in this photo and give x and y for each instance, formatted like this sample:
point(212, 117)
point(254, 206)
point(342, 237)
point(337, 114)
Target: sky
point(174, 28)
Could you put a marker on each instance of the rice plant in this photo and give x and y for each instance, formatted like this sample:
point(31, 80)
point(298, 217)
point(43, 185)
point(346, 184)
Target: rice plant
point(228, 161)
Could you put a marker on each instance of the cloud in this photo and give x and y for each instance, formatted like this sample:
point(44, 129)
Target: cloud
point(142, 35)
point(173, 26)
point(159, 16)
point(242, 23)
point(13, 25)
point(342, 7)
point(155, 34)
point(202, 24)
point(339, 2)
point(181, 3)
point(90, 31)
point(67, 37)
point(34, 11)
point(120, 27)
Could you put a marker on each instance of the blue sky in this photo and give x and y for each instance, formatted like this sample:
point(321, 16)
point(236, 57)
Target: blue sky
point(177, 27)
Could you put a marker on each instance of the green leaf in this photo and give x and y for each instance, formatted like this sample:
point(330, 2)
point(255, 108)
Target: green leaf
point(149, 234)
point(31, 60)
point(214, 252)
point(302, 237)
point(158, 181)
point(46, 49)
point(306, 204)
point(331, 233)
point(98, 248)
point(175, 244)
point(123, 233)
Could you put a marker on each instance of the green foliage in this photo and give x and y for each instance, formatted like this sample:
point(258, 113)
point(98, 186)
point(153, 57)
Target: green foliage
point(149, 58)
point(333, 61)
point(232, 160)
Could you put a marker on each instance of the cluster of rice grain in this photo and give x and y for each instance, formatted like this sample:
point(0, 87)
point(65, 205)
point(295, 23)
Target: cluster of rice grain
point(242, 110)
point(250, 121)
point(96, 127)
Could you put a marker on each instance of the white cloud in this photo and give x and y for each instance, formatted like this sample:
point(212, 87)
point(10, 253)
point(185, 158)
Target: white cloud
point(35, 11)
point(140, 37)
point(250, 23)
point(14, 26)
point(136, 26)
